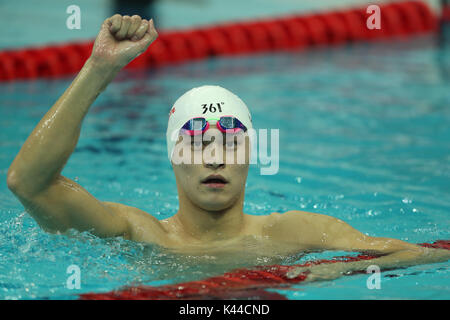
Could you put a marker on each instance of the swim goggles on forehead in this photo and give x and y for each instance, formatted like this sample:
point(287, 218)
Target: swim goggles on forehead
point(226, 124)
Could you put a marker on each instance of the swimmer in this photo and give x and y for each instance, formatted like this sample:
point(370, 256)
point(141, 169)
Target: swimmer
point(211, 192)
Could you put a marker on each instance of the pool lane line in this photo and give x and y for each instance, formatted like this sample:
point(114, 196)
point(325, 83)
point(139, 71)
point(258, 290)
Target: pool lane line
point(285, 33)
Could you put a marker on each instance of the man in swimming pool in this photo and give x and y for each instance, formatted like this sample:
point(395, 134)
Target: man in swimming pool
point(211, 192)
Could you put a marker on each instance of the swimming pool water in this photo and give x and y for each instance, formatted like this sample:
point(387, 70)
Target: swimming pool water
point(364, 137)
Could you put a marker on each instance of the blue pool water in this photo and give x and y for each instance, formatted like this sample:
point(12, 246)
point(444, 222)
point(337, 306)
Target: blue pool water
point(364, 137)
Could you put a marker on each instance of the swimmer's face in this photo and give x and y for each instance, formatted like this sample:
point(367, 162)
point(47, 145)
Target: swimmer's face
point(215, 153)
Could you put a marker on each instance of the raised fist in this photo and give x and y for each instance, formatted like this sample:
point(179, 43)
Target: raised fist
point(121, 39)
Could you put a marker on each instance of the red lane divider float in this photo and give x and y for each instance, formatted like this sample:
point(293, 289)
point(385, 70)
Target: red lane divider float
point(285, 33)
point(240, 283)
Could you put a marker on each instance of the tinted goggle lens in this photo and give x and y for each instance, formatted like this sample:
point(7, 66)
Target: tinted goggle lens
point(195, 124)
point(225, 123)
point(228, 123)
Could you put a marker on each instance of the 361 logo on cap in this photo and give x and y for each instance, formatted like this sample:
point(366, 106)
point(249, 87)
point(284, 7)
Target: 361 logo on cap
point(212, 107)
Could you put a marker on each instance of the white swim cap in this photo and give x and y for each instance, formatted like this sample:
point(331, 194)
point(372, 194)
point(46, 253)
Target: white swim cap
point(208, 102)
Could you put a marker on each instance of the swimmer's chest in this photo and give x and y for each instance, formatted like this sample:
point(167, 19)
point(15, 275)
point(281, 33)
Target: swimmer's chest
point(248, 245)
point(253, 241)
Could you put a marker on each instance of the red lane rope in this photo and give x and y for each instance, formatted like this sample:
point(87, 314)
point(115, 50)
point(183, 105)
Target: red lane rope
point(242, 283)
point(285, 33)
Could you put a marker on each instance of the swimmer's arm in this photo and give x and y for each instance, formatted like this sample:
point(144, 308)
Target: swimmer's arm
point(56, 202)
point(398, 259)
point(66, 205)
point(44, 154)
point(334, 234)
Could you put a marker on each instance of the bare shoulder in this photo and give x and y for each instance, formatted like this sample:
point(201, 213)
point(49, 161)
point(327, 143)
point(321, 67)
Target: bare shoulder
point(142, 226)
point(299, 226)
point(297, 216)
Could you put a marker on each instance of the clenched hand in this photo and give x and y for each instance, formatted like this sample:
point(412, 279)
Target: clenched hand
point(121, 39)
